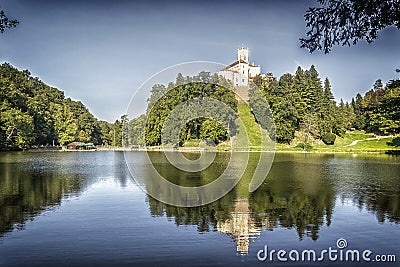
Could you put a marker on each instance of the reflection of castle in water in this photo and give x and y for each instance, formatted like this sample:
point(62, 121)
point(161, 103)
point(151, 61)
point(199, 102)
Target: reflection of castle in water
point(242, 226)
point(290, 198)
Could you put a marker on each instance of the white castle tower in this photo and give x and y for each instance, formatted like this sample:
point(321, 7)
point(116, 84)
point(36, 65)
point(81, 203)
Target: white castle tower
point(241, 71)
point(243, 54)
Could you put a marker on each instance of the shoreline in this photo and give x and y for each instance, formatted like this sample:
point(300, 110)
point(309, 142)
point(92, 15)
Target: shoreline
point(197, 150)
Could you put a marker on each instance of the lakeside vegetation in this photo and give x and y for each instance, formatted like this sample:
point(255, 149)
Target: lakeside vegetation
point(34, 114)
point(306, 116)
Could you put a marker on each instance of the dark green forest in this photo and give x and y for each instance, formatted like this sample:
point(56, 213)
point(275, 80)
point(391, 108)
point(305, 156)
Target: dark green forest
point(299, 102)
point(303, 102)
point(185, 89)
point(34, 114)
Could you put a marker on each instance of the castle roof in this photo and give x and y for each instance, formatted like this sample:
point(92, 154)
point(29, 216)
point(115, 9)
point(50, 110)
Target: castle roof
point(227, 68)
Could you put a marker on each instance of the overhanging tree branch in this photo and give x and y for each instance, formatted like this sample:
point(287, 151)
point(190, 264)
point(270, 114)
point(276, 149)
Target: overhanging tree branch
point(5, 22)
point(345, 22)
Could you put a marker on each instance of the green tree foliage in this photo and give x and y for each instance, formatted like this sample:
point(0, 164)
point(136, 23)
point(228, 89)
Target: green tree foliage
point(328, 111)
point(16, 126)
point(295, 98)
point(279, 95)
point(395, 142)
point(329, 138)
point(136, 131)
point(381, 107)
point(345, 118)
point(261, 109)
point(309, 129)
point(35, 114)
point(301, 102)
point(213, 131)
point(163, 100)
point(345, 22)
point(359, 112)
point(377, 112)
point(106, 133)
point(116, 131)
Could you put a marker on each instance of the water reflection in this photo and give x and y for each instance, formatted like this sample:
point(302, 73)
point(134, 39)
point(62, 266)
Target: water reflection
point(300, 193)
point(241, 225)
point(31, 183)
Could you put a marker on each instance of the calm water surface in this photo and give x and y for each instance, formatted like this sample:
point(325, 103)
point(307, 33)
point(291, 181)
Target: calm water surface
point(83, 208)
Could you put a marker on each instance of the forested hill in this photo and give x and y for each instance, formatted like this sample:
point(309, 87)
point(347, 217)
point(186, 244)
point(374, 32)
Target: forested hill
point(35, 114)
point(302, 103)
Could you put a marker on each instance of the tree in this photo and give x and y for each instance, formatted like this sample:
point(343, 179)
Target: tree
point(298, 92)
point(385, 116)
point(309, 128)
point(285, 118)
point(27, 102)
point(214, 131)
point(5, 22)
point(117, 132)
point(124, 130)
point(164, 100)
point(327, 114)
point(328, 91)
point(345, 118)
point(18, 127)
point(359, 122)
point(136, 130)
point(65, 124)
point(107, 134)
point(345, 22)
point(378, 85)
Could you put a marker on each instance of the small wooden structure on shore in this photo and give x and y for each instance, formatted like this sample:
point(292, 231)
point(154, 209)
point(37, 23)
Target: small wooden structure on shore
point(79, 146)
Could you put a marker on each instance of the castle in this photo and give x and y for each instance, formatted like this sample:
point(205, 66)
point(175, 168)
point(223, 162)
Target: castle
point(241, 72)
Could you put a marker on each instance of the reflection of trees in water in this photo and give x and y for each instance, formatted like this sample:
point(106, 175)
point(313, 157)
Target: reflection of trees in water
point(299, 192)
point(304, 212)
point(205, 217)
point(31, 183)
point(384, 202)
point(385, 207)
point(25, 195)
point(371, 182)
point(289, 198)
point(243, 217)
point(380, 197)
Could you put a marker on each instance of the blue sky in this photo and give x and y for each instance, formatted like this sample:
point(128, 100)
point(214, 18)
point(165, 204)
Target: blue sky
point(100, 52)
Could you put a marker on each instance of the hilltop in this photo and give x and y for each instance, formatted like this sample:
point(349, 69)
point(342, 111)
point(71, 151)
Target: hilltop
point(306, 116)
point(34, 114)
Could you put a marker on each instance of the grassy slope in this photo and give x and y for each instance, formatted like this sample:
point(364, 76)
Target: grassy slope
point(341, 143)
point(249, 127)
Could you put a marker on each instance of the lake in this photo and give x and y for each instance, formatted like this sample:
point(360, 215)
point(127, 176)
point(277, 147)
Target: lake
point(84, 208)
